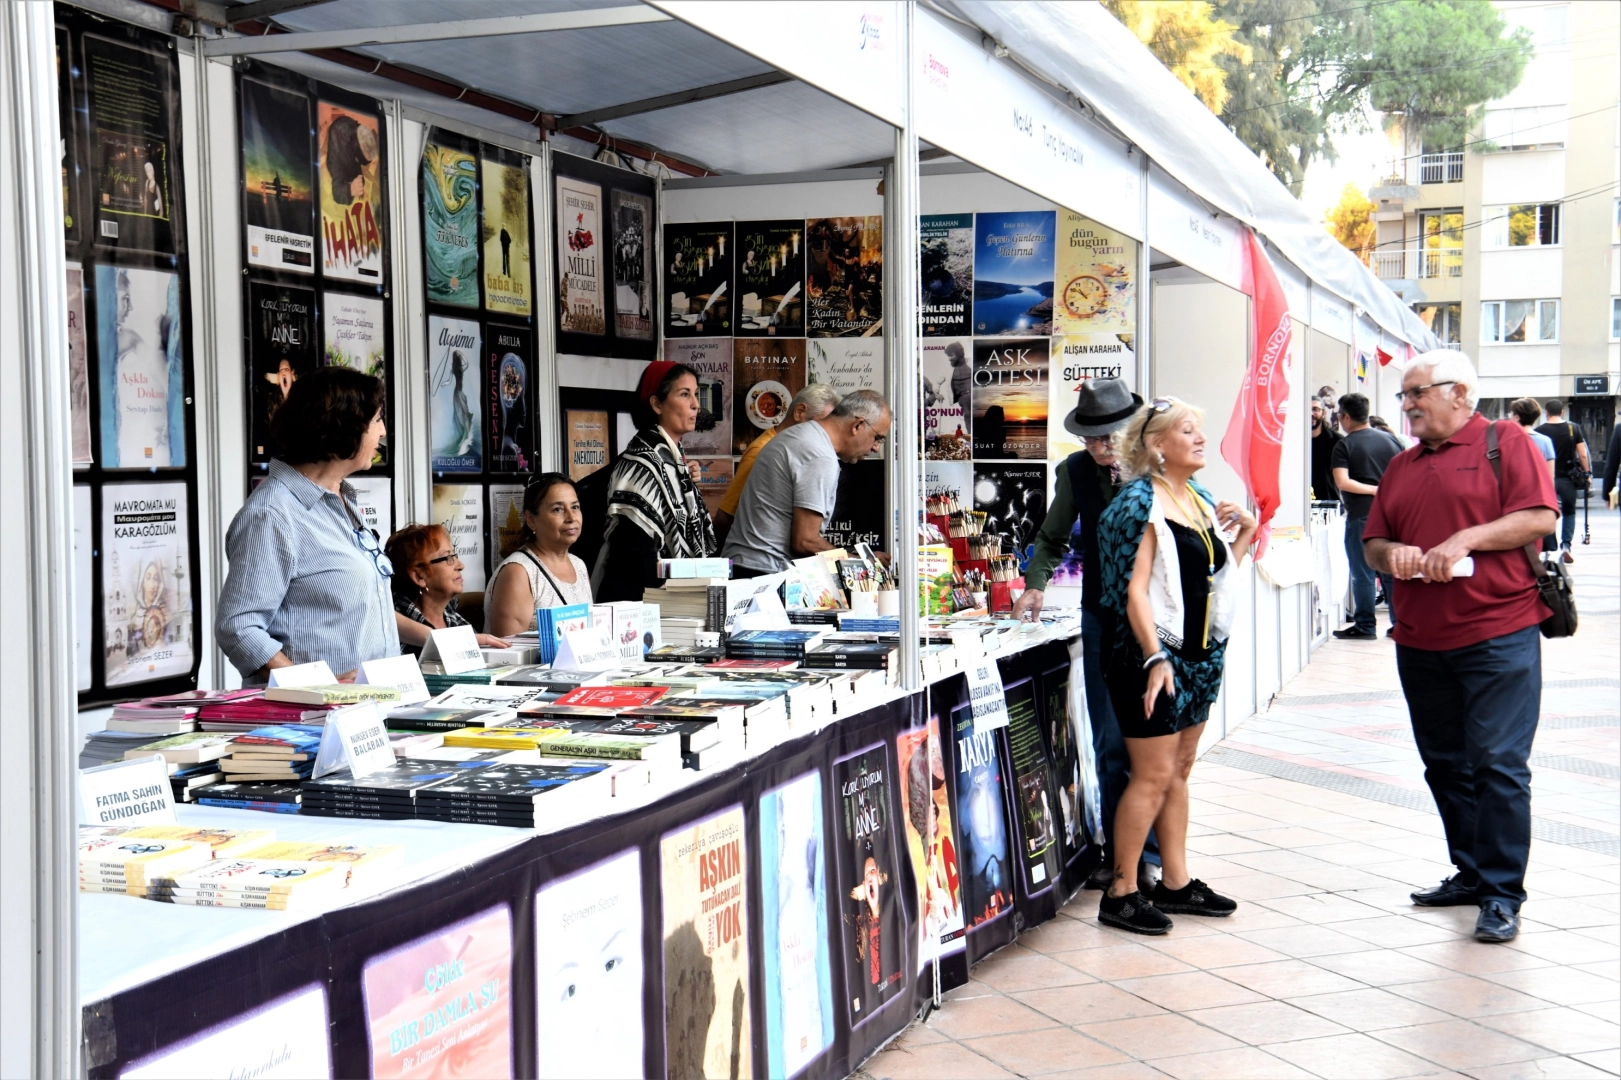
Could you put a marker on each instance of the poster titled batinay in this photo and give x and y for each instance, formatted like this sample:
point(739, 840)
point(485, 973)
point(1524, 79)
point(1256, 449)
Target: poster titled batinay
point(441, 1006)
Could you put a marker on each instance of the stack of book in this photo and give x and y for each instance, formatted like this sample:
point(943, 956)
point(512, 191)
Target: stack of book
point(101, 747)
point(853, 655)
point(333, 695)
point(363, 866)
point(813, 617)
point(551, 623)
point(251, 710)
point(552, 680)
point(192, 759)
point(153, 719)
point(870, 624)
point(437, 682)
point(490, 697)
point(389, 794)
point(660, 754)
point(267, 795)
point(713, 568)
point(133, 866)
point(686, 654)
point(771, 644)
point(264, 884)
point(689, 598)
point(595, 701)
point(679, 632)
point(439, 718)
point(547, 795)
point(284, 753)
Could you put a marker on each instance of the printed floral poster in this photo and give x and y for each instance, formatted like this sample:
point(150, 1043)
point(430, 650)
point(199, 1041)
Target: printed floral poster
point(354, 332)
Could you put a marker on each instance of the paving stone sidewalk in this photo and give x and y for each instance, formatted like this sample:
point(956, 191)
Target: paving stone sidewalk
point(1315, 816)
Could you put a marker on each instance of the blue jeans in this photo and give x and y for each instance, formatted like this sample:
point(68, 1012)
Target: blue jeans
point(1362, 576)
point(1474, 713)
point(1567, 510)
point(1108, 745)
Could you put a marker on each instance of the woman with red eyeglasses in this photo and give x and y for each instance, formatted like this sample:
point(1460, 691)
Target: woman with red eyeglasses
point(427, 581)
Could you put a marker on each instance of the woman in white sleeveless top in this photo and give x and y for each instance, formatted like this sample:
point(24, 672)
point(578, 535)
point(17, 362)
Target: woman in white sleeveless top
point(541, 573)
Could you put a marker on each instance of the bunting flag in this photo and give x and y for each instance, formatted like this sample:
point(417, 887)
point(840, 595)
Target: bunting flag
point(1384, 357)
point(1253, 444)
point(1361, 367)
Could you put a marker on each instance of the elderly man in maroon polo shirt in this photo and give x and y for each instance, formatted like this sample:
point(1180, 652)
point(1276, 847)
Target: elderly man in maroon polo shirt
point(1467, 647)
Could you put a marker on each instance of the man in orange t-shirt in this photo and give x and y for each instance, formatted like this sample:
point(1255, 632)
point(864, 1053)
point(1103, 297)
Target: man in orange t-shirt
point(814, 402)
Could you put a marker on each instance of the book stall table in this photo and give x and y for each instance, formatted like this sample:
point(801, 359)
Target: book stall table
point(783, 916)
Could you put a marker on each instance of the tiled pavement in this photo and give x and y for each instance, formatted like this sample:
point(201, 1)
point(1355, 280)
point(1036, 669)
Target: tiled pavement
point(1316, 817)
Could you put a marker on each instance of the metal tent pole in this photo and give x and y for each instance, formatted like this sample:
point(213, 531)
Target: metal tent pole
point(904, 365)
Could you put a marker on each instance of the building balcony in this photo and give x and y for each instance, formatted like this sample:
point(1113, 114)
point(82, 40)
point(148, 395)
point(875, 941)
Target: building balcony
point(1444, 168)
point(1418, 263)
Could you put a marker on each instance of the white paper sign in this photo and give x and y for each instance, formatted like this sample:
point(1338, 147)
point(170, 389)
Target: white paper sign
point(748, 595)
point(315, 673)
point(456, 649)
point(968, 643)
point(588, 648)
point(401, 672)
point(986, 697)
point(287, 1038)
point(133, 792)
point(354, 736)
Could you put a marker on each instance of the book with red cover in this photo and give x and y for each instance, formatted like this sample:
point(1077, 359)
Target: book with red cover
point(750, 665)
point(616, 698)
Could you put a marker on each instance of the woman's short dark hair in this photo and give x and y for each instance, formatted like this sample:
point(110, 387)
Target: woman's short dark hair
point(326, 414)
point(534, 494)
point(642, 414)
point(1526, 410)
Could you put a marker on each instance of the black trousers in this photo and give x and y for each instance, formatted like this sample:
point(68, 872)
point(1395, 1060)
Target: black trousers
point(1474, 713)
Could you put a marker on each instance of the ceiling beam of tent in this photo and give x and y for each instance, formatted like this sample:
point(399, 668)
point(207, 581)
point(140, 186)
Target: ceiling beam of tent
point(667, 101)
point(265, 9)
point(305, 41)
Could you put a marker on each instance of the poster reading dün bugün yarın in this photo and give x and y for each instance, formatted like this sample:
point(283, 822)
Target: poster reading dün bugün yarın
point(278, 201)
point(145, 583)
point(450, 225)
point(580, 308)
point(507, 286)
point(351, 193)
point(704, 892)
point(1094, 292)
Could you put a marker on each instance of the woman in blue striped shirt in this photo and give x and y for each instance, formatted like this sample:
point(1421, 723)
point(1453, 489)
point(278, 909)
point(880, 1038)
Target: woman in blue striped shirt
point(308, 580)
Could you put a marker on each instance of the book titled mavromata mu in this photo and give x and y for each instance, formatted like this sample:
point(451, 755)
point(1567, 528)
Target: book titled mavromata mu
point(146, 582)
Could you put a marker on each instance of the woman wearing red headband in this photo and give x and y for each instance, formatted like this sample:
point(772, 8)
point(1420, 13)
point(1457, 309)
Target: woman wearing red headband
point(654, 509)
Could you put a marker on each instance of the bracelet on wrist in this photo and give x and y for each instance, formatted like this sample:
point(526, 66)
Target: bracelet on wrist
point(1156, 658)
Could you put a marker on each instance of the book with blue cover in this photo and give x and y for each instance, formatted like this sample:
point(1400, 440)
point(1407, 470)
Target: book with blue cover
point(551, 623)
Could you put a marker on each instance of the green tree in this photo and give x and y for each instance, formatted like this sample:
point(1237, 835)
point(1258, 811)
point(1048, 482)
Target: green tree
point(1186, 37)
point(1351, 222)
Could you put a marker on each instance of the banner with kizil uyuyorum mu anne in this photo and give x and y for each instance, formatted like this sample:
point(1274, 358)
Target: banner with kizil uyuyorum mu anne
point(704, 886)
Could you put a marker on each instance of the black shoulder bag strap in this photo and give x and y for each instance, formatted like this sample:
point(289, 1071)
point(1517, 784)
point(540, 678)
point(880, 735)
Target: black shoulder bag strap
point(1554, 585)
point(549, 579)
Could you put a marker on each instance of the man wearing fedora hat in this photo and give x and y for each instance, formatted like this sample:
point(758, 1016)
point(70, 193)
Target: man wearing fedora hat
point(1083, 487)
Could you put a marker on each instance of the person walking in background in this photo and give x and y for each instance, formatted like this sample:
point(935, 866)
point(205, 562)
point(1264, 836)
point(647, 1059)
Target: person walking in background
point(1467, 648)
point(1084, 486)
point(1358, 461)
point(1527, 412)
point(1323, 439)
point(1572, 469)
point(1379, 423)
point(1168, 581)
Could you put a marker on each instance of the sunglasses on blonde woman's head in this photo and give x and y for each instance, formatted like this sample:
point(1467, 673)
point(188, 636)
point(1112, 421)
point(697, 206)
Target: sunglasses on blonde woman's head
point(1155, 407)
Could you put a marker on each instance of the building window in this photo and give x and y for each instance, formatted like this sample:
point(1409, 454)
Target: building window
point(1540, 127)
point(1444, 320)
point(1513, 322)
point(1521, 225)
point(1615, 318)
point(1442, 251)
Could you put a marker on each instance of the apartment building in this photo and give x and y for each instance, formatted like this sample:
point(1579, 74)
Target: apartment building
point(1508, 246)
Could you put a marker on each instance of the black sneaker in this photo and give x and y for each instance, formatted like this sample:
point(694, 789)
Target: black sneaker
point(1452, 892)
point(1132, 912)
point(1194, 898)
point(1351, 633)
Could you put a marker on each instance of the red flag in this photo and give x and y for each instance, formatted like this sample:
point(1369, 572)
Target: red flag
point(1253, 444)
point(1384, 357)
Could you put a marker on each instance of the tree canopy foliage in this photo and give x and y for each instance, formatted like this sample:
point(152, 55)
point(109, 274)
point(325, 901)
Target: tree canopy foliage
point(1288, 75)
point(1350, 221)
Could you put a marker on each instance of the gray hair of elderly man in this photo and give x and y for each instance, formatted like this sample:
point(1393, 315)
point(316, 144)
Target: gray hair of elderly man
point(819, 399)
point(865, 405)
point(1449, 366)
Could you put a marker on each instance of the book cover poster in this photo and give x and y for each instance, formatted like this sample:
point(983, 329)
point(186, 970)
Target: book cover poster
point(281, 350)
point(1079, 810)
point(506, 521)
point(131, 98)
point(711, 358)
point(278, 196)
point(588, 972)
point(145, 583)
point(1010, 399)
point(860, 511)
point(450, 225)
point(1015, 499)
point(140, 371)
point(585, 441)
point(987, 870)
point(67, 77)
point(460, 509)
point(703, 887)
point(78, 367)
point(351, 193)
point(441, 1006)
point(770, 276)
point(354, 332)
point(948, 398)
point(579, 257)
point(507, 284)
point(766, 374)
point(455, 391)
point(633, 265)
point(1035, 792)
point(510, 365)
point(930, 841)
point(1096, 273)
point(947, 269)
point(793, 914)
point(954, 478)
point(285, 1039)
point(1076, 359)
point(848, 365)
point(868, 883)
point(844, 276)
point(1013, 273)
point(375, 497)
point(83, 588)
point(714, 477)
point(697, 276)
